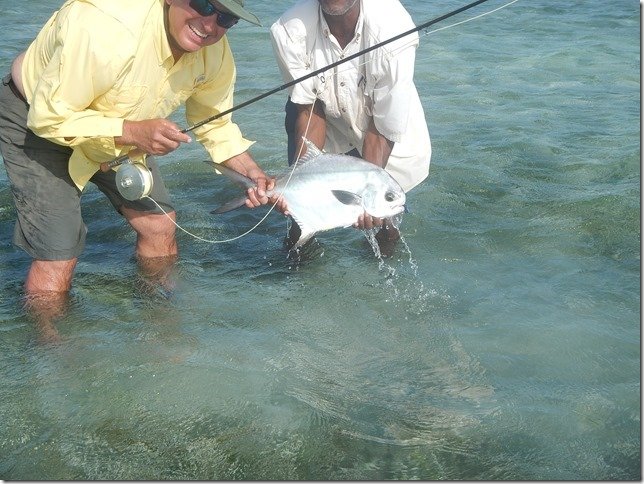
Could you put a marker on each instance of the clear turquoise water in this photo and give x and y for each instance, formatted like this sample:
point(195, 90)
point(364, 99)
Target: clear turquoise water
point(504, 343)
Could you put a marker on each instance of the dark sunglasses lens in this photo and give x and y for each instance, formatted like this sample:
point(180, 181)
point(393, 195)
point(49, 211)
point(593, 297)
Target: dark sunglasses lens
point(203, 7)
point(206, 9)
point(226, 20)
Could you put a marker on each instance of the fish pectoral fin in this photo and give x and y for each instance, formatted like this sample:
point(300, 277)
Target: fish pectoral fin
point(347, 198)
point(231, 205)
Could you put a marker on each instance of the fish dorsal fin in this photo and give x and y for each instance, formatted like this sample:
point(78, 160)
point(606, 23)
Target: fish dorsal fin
point(347, 198)
point(312, 151)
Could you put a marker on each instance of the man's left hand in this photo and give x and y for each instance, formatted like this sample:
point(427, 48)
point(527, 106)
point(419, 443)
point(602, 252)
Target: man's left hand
point(367, 222)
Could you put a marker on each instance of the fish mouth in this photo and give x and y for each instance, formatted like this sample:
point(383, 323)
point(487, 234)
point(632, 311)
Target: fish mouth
point(399, 208)
point(390, 212)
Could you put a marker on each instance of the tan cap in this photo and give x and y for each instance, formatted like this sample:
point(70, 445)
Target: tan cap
point(236, 7)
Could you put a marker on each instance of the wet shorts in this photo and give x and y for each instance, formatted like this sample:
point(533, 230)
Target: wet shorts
point(49, 224)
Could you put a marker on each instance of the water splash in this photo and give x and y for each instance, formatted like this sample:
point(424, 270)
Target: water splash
point(395, 276)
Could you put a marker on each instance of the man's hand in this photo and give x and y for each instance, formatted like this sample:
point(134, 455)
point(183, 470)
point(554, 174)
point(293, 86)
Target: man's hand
point(244, 164)
point(367, 222)
point(257, 196)
point(280, 204)
point(152, 136)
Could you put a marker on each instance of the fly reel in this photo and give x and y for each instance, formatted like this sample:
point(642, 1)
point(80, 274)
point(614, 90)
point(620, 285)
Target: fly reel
point(133, 180)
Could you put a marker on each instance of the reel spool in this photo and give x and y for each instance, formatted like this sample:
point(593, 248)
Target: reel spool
point(133, 181)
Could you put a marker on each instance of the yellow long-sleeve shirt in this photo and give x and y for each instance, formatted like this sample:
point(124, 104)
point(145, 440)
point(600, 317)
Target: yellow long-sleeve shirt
point(96, 63)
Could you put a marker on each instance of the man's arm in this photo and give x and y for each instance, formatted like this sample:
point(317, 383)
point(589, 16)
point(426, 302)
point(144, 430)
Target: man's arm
point(375, 149)
point(314, 130)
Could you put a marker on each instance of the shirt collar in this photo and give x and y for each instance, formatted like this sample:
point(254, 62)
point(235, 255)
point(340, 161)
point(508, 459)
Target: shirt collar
point(358, 32)
point(161, 44)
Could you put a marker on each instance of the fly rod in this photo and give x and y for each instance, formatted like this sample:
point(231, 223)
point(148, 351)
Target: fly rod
point(123, 158)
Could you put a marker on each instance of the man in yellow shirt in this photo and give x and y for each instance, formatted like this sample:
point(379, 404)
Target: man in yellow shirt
point(98, 81)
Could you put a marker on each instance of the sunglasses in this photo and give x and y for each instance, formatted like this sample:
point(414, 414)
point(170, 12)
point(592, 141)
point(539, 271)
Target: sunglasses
point(206, 9)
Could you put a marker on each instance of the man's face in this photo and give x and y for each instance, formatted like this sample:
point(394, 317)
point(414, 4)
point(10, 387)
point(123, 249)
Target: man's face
point(336, 7)
point(188, 31)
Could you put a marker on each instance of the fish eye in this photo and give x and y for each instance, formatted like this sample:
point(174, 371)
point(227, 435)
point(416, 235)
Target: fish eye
point(390, 197)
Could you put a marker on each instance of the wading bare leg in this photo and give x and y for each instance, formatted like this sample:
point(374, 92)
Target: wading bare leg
point(46, 295)
point(156, 246)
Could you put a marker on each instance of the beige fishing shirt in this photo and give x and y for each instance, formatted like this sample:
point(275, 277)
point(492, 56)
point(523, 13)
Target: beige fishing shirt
point(97, 63)
point(378, 84)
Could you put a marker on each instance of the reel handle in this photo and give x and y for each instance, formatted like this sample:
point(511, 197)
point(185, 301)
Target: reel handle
point(107, 165)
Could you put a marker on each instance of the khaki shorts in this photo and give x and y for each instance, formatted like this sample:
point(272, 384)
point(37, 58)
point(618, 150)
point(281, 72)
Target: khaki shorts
point(49, 224)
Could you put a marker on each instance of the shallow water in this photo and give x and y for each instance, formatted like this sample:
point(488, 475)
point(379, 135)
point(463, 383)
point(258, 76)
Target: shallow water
point(501, 342)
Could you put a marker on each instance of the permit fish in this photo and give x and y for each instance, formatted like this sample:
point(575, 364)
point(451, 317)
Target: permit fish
point(326, 191)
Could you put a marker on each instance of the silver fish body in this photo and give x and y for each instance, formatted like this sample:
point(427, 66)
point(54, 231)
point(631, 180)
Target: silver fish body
point(327, 191)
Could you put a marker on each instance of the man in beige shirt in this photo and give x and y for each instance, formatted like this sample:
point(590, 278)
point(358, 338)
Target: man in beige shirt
point(368, 107)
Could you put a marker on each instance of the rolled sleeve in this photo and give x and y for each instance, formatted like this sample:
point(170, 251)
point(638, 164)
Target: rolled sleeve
point(290, 52)
point(221, 138)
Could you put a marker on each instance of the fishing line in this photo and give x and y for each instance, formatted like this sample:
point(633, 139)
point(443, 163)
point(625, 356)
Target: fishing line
point(334, 64)
point(121, 159)
point(124, 158)
point(299, 154)
point(413, 41)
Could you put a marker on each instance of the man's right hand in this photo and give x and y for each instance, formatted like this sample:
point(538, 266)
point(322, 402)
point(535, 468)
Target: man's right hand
point(152, 136)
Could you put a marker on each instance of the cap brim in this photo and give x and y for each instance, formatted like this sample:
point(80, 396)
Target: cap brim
point(239, 11)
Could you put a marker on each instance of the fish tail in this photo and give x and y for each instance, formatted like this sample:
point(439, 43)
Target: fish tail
point(235, 176)
point(231, 205)
point(239, 179)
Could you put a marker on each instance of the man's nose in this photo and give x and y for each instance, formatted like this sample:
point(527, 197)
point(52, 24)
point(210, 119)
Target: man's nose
point(211, 26)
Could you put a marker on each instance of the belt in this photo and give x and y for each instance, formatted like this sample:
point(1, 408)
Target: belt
point(8, 80)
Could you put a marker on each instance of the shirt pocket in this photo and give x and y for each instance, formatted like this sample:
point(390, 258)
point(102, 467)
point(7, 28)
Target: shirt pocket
point(170, 101)
point(325, 92)
point(363, 110)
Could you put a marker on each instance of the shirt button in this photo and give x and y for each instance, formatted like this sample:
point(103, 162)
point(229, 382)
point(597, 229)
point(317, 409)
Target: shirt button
point(342, 83)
